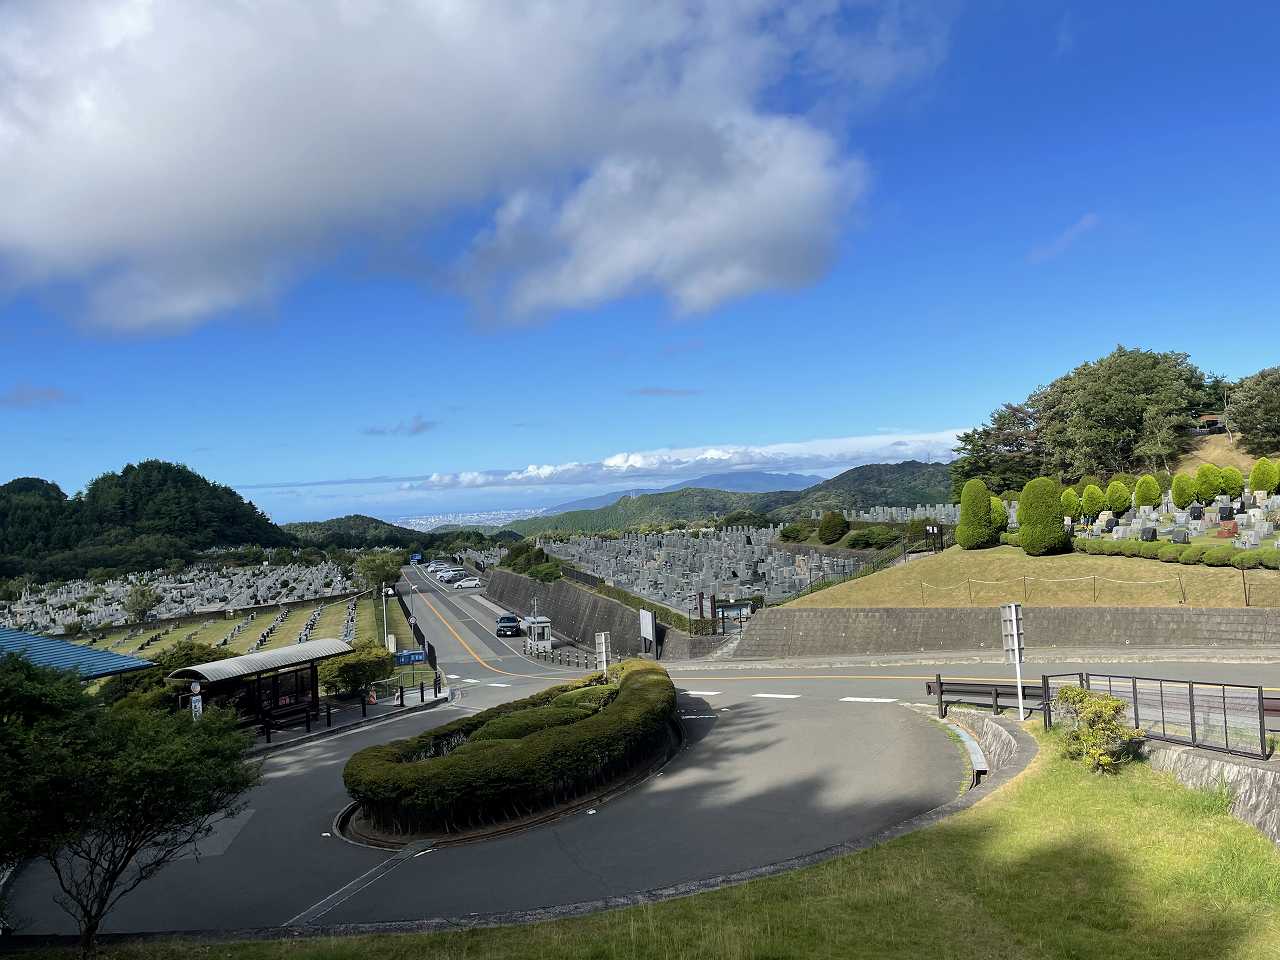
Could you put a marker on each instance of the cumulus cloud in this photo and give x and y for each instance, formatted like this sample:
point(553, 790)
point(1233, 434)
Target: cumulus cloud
point(405, 428)
point(1065, 240)
point(176, 161)
point(25, 396)
point(829, 454)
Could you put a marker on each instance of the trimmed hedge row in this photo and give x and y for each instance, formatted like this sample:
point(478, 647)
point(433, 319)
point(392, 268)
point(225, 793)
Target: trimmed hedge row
point(1206, 554)
point(444, 781)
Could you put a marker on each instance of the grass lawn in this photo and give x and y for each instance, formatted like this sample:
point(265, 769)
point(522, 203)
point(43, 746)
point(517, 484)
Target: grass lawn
point(947, 575)
point(1059, 863)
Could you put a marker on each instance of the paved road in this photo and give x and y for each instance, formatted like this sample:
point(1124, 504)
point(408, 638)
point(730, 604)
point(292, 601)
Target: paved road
point(781, 760)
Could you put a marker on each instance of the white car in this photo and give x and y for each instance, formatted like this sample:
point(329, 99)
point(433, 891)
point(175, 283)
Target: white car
point(437, 565)
point(467, 582)
point(448, 576)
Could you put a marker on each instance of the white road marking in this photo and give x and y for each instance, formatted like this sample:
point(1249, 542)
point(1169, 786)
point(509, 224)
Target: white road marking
point(701, 693)
point(499, 684)
point(469, 680)
point(452, 676)
point(868, 700)
point(777, 696)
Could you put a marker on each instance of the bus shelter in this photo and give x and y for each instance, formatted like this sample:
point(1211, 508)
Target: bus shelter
point(268, 686)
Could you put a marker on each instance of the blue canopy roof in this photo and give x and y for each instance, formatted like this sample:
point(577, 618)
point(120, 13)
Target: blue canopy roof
point(48, 652)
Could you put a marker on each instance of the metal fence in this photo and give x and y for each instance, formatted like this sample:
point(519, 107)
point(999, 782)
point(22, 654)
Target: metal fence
point(1228, 717)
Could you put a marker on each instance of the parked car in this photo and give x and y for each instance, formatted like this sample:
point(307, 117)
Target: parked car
point(508, 626)
point(448, 576)
point(467, 582)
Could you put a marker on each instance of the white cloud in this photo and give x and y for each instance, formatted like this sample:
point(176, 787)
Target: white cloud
point(820, 455)
point(1065, 240)
point(179, 160)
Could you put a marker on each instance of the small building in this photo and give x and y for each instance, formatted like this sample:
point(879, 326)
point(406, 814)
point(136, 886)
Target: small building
point(91, 664)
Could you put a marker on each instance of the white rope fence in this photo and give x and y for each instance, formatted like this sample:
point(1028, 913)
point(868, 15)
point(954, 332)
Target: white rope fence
point(1027, 581)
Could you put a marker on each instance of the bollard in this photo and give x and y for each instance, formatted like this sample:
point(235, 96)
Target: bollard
point(308, 721)
point(328, 715)
point(364, 705)
point(400, 695)
point(422, 691)
point(266, 728)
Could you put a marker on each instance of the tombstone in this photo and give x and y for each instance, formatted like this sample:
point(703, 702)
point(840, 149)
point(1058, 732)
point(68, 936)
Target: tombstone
point(1180, 536)
point(1148, 534)
point(1195, 526)
point(1195, 512)
point(1109, 524)
point(1226, 512)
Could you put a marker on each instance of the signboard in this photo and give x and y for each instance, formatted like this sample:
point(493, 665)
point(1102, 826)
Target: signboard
point(602, 650)
point(197, 706)
point(1012, 637)
point(648, 629)
point(415, 558)
point(406, 657)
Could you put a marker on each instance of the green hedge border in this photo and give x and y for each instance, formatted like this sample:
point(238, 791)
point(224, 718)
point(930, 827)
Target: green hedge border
point(1191, 554)
point(420, 786)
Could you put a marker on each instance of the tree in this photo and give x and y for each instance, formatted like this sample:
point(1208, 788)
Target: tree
point(832, 527)
point(378, 566)
point(974, 531)
point(1093, 501)
point(1118, 497)
point(1146, 493)
point(142, 599)
point(111, 796)
point(999, 515)
point(354, 673)
point(1183, 490)
point(1254, 411)
point(1264, 476)
point(1040, 527)
point(1208, 483)
point(1163, 435)
point(1003, 453)
point(1232, 482)
point(1070, 503)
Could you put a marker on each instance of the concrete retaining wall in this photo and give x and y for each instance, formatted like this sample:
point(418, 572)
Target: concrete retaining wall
point(578, 614)
point(1254, 786)
point(815, 631)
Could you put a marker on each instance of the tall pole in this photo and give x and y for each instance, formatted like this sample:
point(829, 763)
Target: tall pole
point(382, 589)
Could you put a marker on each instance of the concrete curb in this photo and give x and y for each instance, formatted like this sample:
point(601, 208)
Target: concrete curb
point(266, 749)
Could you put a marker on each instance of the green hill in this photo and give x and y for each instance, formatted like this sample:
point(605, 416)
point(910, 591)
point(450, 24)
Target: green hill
point(355, 530)
point(650, 508)
point(902, 484)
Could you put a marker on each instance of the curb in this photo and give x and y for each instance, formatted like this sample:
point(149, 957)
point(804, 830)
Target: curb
point(265, 749)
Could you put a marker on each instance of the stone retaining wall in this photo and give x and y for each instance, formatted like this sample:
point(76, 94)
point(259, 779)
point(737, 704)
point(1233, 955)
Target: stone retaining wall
point(1254, 786)
point(818, 631)
point(578, 615)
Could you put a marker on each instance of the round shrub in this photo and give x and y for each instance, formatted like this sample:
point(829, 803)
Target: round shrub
point(1093, 501)
point(1219, 556)
point(1265, 475)
point(1192, 554)
point(1147, 492)
point(1170, 552)
point(1183, 490)
point(1119, 499)
point(1010, 539)
point(1070, 502)
point(1040, 526)
point(974, 531)
point(1113, 548)
point(518, 725)
point(1208, 483)
point(832, 527)
point(1232, 482)
point(1150, 550)
point(999, 515)
point(431, 783)
point(1247, 560)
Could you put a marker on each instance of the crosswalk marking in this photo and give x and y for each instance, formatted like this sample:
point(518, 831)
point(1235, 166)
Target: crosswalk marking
point(452, 676)
point(868, 700)
point(701, 693)
point(777, 696)
point(499, 684)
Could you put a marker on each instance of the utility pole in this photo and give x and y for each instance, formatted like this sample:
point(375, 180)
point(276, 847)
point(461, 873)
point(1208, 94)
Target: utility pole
point(382, 589)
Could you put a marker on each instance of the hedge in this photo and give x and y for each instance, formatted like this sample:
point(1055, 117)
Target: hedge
point(1040, 518)
point(1219, 556)
point(999, 515)
point(1170, 552)
point(1193, 554)
point(1093, 501)
point(974, 530)
point(1011, 539)
point(1119, 497)
point(518, 725)
point(1183, 491)
point(426, 784)
point(590, 698)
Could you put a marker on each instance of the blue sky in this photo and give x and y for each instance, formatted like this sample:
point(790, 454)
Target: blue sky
point(295, 274)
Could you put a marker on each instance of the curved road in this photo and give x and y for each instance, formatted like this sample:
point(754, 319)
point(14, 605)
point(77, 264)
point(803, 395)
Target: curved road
point(780, 761)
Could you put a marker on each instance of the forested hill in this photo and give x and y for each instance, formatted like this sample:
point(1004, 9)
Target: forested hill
point(143, 516)
point(353, 531)
point(902, 484)
point(656, 509)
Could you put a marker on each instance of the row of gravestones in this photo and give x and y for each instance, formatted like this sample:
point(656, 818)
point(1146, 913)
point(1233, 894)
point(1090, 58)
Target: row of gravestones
point(237, 630)
point(281, 617)
point(1245, 521)
point(349, 625)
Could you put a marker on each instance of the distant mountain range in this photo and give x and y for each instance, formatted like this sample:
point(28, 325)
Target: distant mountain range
point(876, 484)
point(748, 481)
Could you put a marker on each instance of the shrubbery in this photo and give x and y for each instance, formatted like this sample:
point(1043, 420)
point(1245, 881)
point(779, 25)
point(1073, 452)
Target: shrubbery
point(797, 532)
point(1070, 503)
point(1010, 539)
point(999, 515)
point(1147, 492)
point(1232, 482)
point(1170, 552)
point(1097, 733)
point(1183, 491)
point(518, 725)
point(872, 538)
point(1093, 501)
point(1219, 556)
point(1040, 528)
point(1247, 559)
point(1208, 483)
point(1265, 475)
point(1119, 498)
point(354, 672)
point(426, 784)
point(1192, 554)
point(974, 530)
point(832, 527)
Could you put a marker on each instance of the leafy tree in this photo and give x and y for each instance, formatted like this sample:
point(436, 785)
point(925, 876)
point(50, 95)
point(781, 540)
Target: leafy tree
point(999, 515)
point(1118, 497)
point(1163, 436)
point(148, 686)
point(1264, 476)
point(1232, 482)
point(873, 538)
point(355, 672)
point(832, 527)
point(1004, 453)
point(379, 566)
point(141, 600)
point(974, 530)
point(1183, 490)
point(1147, 491)
point(1070, 503)
point(1093, 501)
point(797, 532)
point(1208, 483)
point(1254, 411)
point(1040, 527)
point(739, 518)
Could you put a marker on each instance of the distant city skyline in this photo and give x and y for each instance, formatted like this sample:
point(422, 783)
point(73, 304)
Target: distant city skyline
point(546, 252)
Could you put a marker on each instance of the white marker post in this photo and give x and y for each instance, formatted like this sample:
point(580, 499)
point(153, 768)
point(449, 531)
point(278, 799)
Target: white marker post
point(1012, 637)
point(602, 652)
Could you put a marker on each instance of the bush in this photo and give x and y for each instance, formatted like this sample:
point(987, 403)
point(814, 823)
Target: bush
point(426, 784)
point(1131, 548)
point(1232, 482)
point(999, 515)
point(797, 532)
point(1150, 550)
point(1097, 734)
point(353, 673)
point(1070, 503)
point(1247, 559)
point(1265, 475)
point(872, 538)
point(1040, 526)
point(832, 527)
point(1093, 501)
point(1268, 557)
point(974, 530)
point(1094, 547)
point(1208, 483)
point(1147, 492)
point(1119, 499)
point(1219, 556)
point(518, 725)
point(1010, 539)
point(1170, 552)
point(1192, 554)
point(1183, 490)
point(1114, 548)
point(588, 698)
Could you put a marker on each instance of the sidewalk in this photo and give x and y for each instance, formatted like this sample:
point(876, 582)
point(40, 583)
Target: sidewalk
point(347, 716)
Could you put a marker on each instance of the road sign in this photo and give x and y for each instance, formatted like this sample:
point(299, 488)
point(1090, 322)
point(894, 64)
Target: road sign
point(413, 621)
point(1011, 636)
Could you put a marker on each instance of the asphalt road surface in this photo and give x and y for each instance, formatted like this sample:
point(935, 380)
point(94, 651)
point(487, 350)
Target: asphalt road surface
point(780, 760)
